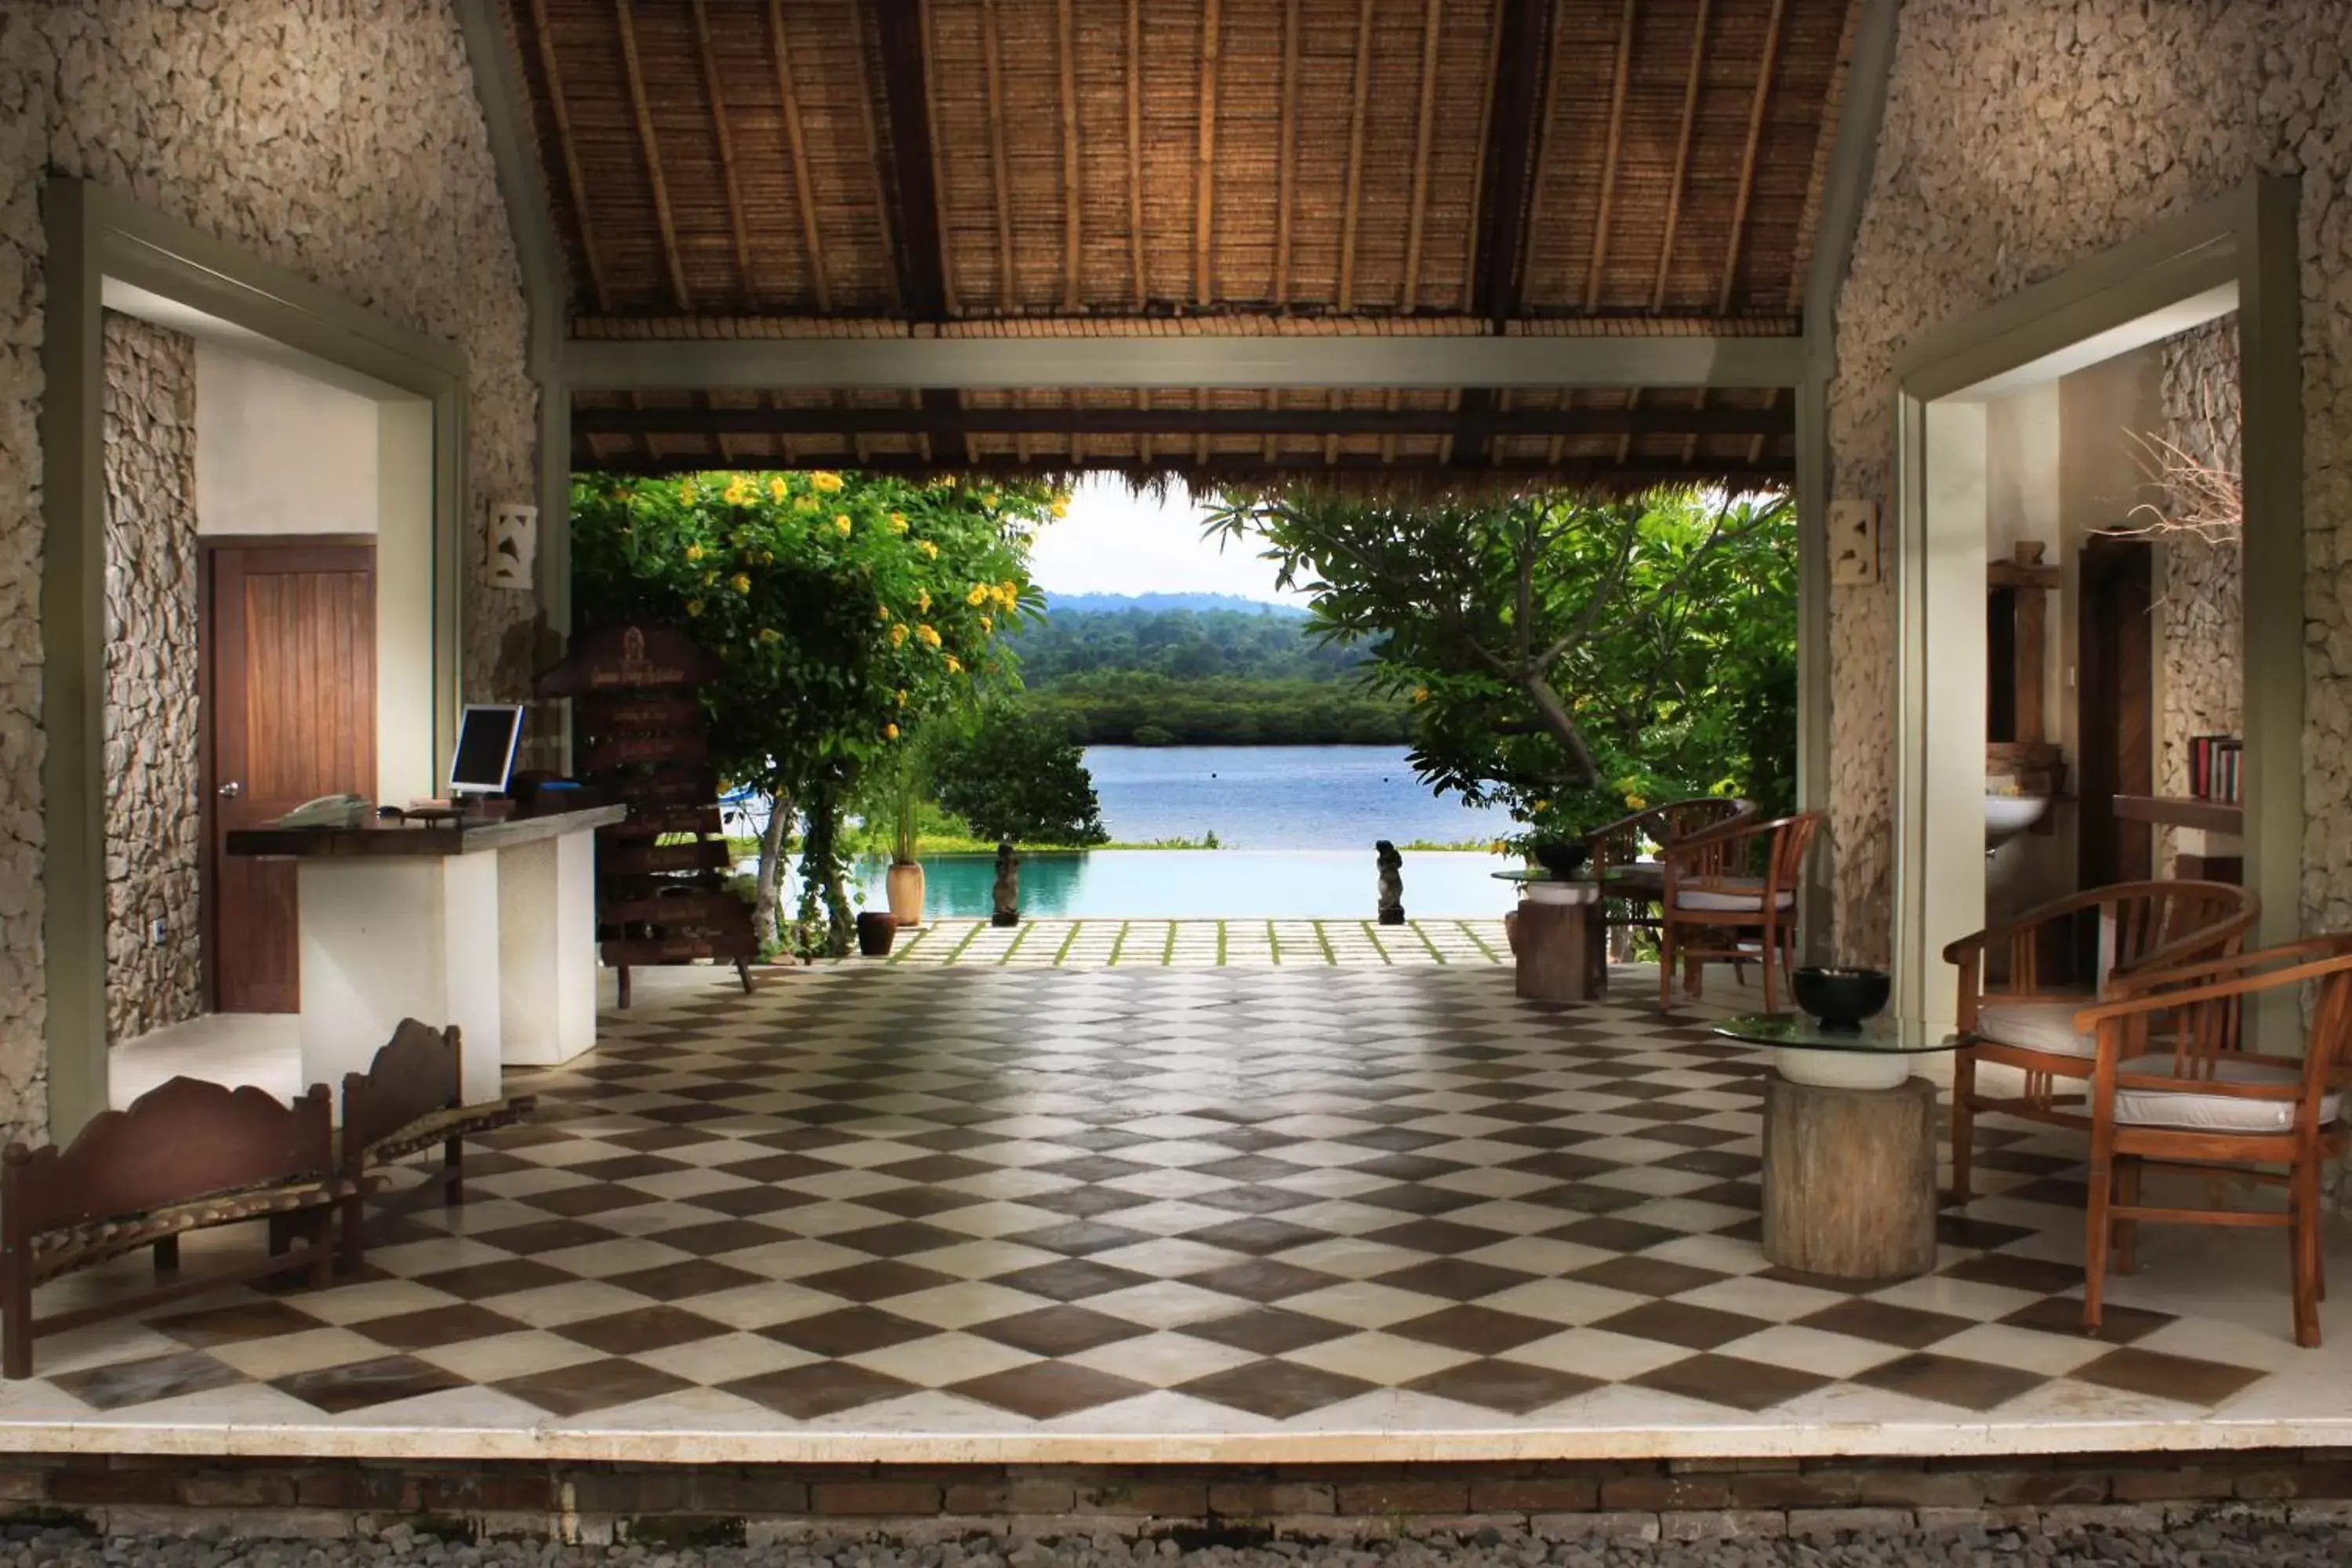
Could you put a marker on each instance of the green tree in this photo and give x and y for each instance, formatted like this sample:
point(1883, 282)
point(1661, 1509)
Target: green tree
point(1566, 657)
point(845, 611)
point(1011, 776)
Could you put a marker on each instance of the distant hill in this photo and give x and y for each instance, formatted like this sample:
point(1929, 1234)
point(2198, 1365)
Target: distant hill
point(1115, 603)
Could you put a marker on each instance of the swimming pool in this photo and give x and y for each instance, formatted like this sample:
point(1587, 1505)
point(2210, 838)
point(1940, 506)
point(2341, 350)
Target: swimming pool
point(1151, 884)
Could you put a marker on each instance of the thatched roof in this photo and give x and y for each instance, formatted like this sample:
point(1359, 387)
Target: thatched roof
point(864, 168)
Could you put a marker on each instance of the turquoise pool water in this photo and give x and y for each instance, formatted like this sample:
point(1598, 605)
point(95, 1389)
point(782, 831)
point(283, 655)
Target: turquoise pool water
point(1234, 884)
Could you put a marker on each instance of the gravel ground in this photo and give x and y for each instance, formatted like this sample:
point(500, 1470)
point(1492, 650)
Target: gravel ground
point(2208, 1544)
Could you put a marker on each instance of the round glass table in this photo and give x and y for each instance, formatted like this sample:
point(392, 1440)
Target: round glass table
point(1849, 1140)
point(1876, 1055)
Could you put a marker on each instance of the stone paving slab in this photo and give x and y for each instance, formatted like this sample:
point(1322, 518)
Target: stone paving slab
point(1049, 943)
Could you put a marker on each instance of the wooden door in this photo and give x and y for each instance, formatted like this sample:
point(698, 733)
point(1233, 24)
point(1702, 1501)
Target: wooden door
point(287, 636)
point(2118, 709)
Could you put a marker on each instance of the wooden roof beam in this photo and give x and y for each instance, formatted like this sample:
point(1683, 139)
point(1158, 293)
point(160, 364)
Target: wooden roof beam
point(1380, 362)
point(1756, 108)
point(796, 141)
point(1135, 152)
point(726, 139)
point(999, 175)
point(575, 185)
point(1432, 17)
point(1204, 207)
point(1359, 106)
point(641, 111)
point(1019, 421)
point(920, 253)
point(1611, 151)
point(1226, 467)
point(1073, 251)
point(1681, 181)
point(1506, 191)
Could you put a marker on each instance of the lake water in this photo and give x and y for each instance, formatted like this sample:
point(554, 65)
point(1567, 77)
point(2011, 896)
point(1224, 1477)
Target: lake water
point(1297, 823)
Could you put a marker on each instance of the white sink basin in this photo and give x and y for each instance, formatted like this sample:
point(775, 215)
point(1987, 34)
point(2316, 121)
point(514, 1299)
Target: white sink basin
point(2007, 815)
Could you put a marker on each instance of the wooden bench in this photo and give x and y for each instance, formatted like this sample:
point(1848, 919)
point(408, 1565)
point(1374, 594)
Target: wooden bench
point(411, 1098)
point(187, 1155)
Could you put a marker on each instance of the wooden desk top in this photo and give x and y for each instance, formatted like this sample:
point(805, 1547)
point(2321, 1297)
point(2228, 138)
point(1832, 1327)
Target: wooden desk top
point(408, 839)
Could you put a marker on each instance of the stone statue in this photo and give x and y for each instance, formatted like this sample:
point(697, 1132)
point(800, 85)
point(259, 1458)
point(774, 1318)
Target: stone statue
point(1391, 884)
point(1008, 886)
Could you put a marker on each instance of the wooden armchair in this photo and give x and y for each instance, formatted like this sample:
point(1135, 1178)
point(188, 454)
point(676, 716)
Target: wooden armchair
point(1632, 885)
point(2171, 1088)
point(1730, 897)
point(2143, 926)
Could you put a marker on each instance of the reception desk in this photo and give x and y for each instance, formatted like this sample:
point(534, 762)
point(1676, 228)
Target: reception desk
point(489, 925)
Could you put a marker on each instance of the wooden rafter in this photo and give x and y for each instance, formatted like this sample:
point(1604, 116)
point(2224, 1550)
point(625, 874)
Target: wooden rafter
point(1072, 197)
point(576, 187)
point(796, 141)
point(1510, 158)
point(915, 212)
point(1204, 209)
point(1748, 158)
point(1433, 13)
point(1000, 177)
point(636, 77)
point(1612, 148)
point(952, 419)
point(1359, 106)
point(1681, 156)
point(733, 179)
point(1546, 135)
point(1472, 276)
point(1135, 149)
point(1286, 154)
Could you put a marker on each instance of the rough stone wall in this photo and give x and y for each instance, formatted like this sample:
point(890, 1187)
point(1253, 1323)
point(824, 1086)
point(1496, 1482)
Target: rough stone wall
point(2020, 137)
point(341, 139)
point(152, 842)
point(2201, 591)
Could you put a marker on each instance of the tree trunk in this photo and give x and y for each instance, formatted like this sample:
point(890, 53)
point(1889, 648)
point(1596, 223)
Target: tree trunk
point(772, 840)
point(1562, 725)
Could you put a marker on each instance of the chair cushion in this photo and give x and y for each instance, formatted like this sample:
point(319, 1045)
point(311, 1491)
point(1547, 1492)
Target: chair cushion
point(2185, 1107)
point(2037, 1026)
point(1732, 893)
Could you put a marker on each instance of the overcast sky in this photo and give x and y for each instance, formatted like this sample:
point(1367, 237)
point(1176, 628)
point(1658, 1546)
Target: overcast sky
point(1114, 543)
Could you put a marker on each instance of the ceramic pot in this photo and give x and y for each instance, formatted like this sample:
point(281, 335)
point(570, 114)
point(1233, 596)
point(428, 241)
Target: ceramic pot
point(875, 931)
point(1511, 930)
point(1563, 859)
point(904, 886)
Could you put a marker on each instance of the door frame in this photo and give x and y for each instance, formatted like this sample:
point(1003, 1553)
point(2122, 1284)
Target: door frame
point(209, 545)
point(101, 241)
point(2240, 252)
point(2104, 558)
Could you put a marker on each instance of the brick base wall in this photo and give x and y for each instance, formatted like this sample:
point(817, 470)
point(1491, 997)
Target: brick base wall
point(713, 1504)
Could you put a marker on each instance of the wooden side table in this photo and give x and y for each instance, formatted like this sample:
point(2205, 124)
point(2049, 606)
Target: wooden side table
point(1849, 1145)
point(1557, 942)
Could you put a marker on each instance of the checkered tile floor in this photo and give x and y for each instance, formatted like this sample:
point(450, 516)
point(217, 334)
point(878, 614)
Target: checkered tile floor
point(1202, 944)
point(884, 1205)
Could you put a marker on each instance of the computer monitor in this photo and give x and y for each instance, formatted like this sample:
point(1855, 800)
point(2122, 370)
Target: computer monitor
point(488, 734)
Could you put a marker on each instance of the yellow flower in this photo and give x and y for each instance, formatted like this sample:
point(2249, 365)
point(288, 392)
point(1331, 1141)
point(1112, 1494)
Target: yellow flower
point(709, 578)
point(694, 606)
point(897, 522)
point(988, 500)
point(769, 633)
point(955, 665)
point(842, 525)
point(738, 494)
point(987, 624)
point(778, 488)
point(694, 552)
point(827, 481)
point(806, 503)
point(1496, 848)
point(1012, 591)
point(742, 582)
point(688, 492)
point(926, 636)
point(897, 634)
point(1635, 803)
point(1061, 506)
point(902, 696)
point(923, 599)
point(889, 731)
point(929, 549)
point(1421, 694)
point(882, 613)
point(977, 596)
point(1543, 805)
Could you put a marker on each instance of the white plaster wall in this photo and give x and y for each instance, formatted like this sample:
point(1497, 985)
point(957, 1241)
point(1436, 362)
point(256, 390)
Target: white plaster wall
point(280, 452)
point(2021, 136)
point(341, 139)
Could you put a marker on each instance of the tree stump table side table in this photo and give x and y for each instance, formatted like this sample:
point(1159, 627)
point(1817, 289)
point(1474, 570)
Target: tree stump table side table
point(1557, 939)
point(1849, 1145)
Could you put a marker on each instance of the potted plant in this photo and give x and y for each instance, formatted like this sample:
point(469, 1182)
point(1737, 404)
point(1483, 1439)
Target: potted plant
point(903, 883)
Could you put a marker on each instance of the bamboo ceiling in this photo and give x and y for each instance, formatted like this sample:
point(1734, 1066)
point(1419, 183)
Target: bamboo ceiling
point(1015, 168)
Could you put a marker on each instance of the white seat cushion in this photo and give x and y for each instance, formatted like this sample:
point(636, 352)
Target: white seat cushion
point(2186, 1109)
point(1732, 893)
point(2037, 1026)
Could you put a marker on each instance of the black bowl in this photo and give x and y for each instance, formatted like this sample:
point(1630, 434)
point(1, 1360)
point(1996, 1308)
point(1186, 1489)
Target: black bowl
point(1564, 860)
point(1840, 998)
